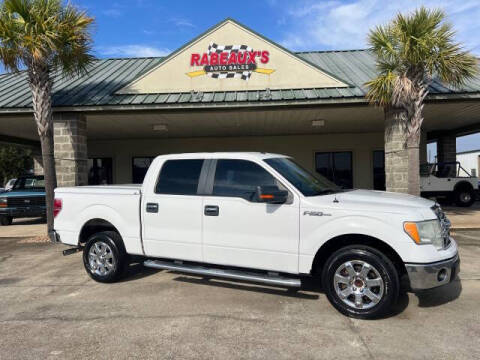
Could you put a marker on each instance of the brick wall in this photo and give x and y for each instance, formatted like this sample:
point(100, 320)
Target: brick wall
point(447, 148)
point(70, 138)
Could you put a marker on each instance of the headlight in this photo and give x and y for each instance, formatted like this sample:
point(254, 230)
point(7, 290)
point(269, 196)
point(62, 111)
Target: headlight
point(425, 232)
point(3, 202)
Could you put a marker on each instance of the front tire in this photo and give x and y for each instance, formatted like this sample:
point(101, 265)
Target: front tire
point(360, 282)
point(464, 197)
point(6, 220)
point(104, 257)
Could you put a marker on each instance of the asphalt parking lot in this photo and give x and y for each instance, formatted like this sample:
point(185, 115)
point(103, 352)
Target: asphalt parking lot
point(51, 309)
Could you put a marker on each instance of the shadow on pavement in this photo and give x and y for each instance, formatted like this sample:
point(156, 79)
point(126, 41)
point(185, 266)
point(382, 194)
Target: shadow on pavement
point(137, 271)
point(245, 286)
point(441, 295)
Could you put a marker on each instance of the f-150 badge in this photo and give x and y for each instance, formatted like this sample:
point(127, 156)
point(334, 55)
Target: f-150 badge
point(316, 213)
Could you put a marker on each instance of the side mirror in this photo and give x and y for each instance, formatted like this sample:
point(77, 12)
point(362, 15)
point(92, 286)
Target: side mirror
point(271, 195)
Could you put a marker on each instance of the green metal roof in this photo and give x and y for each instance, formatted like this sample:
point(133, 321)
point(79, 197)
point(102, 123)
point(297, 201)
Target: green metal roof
point(106, 76)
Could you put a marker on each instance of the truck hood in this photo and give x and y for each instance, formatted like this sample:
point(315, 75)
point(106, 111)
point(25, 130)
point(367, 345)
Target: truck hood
point(384, 198)
point(20, 193)
point(370, 201)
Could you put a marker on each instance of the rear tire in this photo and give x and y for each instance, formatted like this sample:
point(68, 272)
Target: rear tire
point(104, 257)
point(464, 197)
point(360, 282)
point(6, 220)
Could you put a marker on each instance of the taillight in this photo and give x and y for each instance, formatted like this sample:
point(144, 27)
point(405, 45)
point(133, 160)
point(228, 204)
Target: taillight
point(57, 207)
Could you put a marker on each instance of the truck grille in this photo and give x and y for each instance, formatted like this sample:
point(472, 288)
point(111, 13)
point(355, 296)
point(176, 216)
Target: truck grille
point(20, 202)
point(444, 223)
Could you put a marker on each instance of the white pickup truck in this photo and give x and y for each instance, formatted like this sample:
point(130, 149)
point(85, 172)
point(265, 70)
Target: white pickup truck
point(262, 218)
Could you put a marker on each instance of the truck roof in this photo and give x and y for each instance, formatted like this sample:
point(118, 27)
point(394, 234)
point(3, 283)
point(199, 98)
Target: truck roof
point(223, 155)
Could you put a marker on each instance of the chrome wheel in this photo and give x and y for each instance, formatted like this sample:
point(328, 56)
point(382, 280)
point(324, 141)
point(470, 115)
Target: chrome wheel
point(358, 284)
point(465, 197)
point(101, 259)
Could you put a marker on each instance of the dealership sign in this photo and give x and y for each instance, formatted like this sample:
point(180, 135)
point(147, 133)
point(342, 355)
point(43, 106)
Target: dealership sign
point(230, 61)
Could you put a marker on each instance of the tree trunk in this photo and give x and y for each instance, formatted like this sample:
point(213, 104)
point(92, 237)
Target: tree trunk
point(49, 173)
point(413, 146)
point(41, 86)
point(413, 137)
point(396, 154)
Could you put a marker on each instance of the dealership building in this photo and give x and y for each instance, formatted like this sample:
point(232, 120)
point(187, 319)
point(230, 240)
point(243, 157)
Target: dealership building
point(232, 89)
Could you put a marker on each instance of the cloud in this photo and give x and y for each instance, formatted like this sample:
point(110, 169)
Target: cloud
point(335, 24)
point(182, 22)
point(114, 13)
point(134, 50)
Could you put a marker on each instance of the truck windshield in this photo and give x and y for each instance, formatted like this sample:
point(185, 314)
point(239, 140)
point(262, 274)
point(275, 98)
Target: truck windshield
point(34, 183)
point(305, 182)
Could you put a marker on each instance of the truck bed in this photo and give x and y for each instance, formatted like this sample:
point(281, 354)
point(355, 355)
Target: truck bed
point(117, 204)
point(126, 189)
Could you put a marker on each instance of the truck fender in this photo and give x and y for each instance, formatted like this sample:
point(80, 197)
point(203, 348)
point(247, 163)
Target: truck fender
point(394, 237)
point(463, 184)
point(102, 212)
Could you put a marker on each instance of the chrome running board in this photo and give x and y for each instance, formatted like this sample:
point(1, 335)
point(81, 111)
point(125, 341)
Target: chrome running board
point(268, 278)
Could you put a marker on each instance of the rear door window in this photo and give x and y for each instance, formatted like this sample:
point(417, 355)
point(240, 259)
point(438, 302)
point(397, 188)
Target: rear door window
point(179, 177)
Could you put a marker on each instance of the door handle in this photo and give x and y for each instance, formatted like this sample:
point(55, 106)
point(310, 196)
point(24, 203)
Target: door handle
point(152, 207)
point(211, 210)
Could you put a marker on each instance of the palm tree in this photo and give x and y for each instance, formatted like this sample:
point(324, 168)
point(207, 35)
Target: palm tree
point(411, 51)
point(43, 36)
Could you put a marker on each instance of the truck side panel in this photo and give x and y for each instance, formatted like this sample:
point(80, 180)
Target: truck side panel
point(121, 210)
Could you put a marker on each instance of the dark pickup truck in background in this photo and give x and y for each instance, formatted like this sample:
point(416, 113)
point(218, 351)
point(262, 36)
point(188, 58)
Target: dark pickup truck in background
point(25, 199)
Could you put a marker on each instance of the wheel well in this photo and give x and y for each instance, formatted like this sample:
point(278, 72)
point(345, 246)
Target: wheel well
point(463, 185)
point(338, 242)
point(94, 226)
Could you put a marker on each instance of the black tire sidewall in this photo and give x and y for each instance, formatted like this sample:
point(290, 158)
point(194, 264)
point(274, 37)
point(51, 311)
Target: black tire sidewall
point(5, 220)
point(375, 258)
point(112, 239)
point(458, 200)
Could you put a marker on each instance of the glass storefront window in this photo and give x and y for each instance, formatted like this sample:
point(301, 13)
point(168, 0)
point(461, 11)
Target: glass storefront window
point(336, 167)
point(100, 171)
point(140, 166)
point(379, 170)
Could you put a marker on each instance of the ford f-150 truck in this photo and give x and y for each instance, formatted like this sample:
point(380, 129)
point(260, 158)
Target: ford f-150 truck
point(262, 218)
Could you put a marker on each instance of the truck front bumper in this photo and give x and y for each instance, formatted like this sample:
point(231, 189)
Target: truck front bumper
point(427, 276)
point(22, 212)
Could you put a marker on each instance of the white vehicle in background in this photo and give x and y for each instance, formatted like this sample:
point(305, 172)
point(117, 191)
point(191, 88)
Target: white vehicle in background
point(262, 218)
point(449, 181)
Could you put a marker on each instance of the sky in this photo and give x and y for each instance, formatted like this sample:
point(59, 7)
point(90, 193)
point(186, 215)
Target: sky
point(129, 28)
point(156, 27)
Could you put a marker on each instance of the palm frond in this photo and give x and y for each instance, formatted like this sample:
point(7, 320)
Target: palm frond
point(417, 47)
point(380, 89)
point(45, 32)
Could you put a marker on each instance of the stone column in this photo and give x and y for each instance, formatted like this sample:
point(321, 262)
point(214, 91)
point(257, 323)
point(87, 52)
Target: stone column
point(70, 138)
point(447, 148)
point(37, 164)
point(423, 147)
point(396, 154)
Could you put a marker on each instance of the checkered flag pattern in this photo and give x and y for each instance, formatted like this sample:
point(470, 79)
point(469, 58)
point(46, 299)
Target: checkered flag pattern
point(215, 48)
